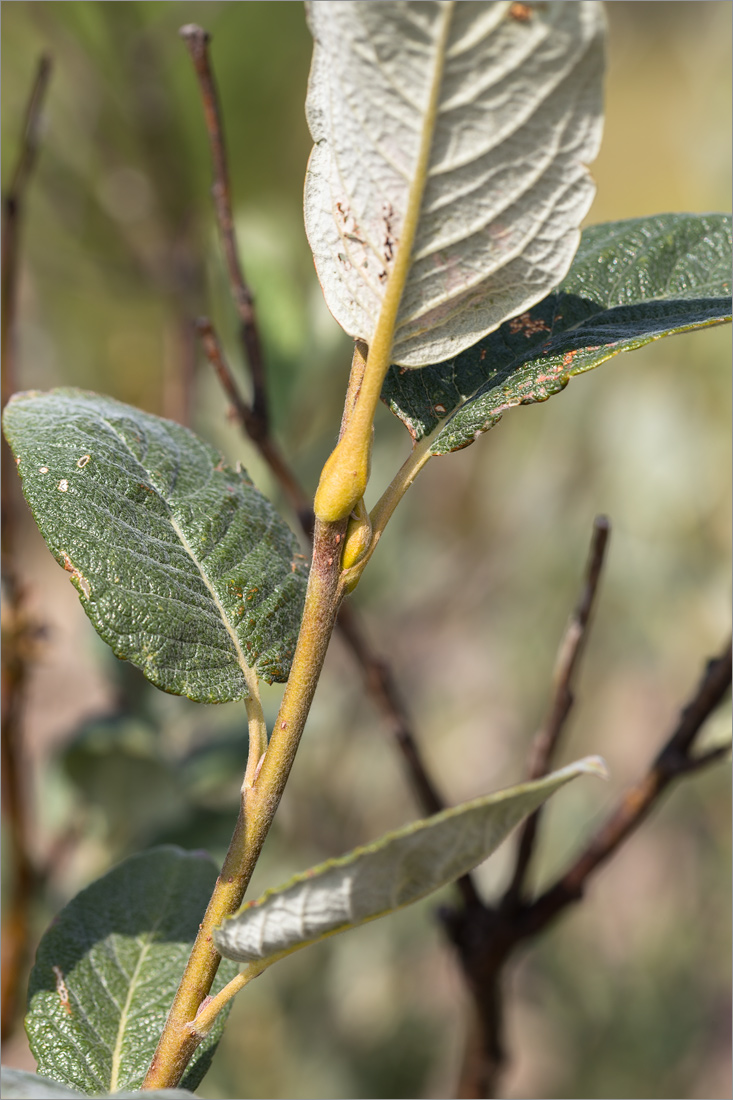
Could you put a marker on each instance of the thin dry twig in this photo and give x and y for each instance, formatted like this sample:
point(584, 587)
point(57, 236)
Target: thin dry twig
point(562, 699)
point(20, 634)
point(674, 760)
point(197, 40)
point(247, 421)
point(486, 937)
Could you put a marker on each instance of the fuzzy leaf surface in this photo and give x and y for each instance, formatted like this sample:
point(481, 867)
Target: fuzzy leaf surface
point(108, 968)
point(19, 1084)
point(183, 567)
point(449, 166)
point(398, 869)
point(631, 282)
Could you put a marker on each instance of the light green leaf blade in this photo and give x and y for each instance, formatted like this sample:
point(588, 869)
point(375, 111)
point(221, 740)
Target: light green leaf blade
point(395, 871)
point(631, 282)
point(108, 968)
point(183, 567)
point(459, 133)
point(19, 1084)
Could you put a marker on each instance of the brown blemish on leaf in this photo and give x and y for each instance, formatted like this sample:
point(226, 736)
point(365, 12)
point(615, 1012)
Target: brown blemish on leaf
point(83, 582)
point(83, 461)
point(63, 485)
point(528, 325)
point(522, 13)
point(41, 469)
point(62, 990)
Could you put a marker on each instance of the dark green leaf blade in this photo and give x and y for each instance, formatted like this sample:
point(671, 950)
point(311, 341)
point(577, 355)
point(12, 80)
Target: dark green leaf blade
point(184, 568)
point(108, 968)
point(631, 282)
point(398, 869)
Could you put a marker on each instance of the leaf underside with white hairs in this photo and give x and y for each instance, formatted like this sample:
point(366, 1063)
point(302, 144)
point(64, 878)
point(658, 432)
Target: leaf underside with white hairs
point(19, 1084)
point(183, 567)
point(395, 871)
point(505, 102)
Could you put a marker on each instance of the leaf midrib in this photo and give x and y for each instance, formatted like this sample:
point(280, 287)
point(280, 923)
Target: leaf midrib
point(250, 677)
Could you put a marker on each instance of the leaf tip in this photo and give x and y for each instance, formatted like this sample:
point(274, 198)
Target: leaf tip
point(594, 765)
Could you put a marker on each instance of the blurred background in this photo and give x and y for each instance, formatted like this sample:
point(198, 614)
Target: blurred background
point(628, 995)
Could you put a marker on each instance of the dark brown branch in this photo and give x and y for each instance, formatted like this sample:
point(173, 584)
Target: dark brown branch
point(674, 760)
point(487, 937)
point(247, 421)
point(197, 40)
point(561, 703)
point(13, 199)
point(20, 634)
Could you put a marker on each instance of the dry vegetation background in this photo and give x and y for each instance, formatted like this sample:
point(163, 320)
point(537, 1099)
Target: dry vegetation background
point(628, 996)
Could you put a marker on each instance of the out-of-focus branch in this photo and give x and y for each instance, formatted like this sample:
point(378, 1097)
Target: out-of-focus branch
point(197, 41)
point(246, 418)
point(562, 699)
point(19, 632)
point(487, 937)
point(674, 760)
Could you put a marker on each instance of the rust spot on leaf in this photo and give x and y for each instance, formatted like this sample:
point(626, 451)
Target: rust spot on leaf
point(528, 325)
point(62, 990)
point(522, 13)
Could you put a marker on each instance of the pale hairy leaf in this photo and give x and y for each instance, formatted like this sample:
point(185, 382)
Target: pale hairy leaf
point(398, 869)
point(449, 168)
point(19, 1084)
point(183, 567)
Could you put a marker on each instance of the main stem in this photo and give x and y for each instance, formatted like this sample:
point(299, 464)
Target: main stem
point(259, 803)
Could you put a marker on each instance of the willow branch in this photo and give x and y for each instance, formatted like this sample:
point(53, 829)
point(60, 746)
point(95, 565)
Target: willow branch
point(19, 632)
point(673, 761)
point(562, 699)
point(197, 40)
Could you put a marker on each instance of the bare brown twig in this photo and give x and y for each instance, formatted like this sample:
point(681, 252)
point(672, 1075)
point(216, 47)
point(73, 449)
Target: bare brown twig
point(19, 632)
point(561, 702)
point(675, 759)
point(487, 937)
point(197, 41)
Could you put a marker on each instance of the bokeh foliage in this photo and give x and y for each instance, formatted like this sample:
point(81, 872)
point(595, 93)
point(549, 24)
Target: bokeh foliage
point(469, 590)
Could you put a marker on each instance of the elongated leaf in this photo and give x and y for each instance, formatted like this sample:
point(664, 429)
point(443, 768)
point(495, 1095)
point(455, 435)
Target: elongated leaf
point(395, 871)
point(19, 1084)
point(631, 282)
point(109, 966)
point(456, 136)
point(184, 568)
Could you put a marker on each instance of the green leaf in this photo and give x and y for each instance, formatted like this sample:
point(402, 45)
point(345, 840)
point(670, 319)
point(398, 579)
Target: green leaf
point(19, 1084)
point(108, 968)
point(631, 282)
point(395, 871)
point(184, 568)
point(449, 168)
